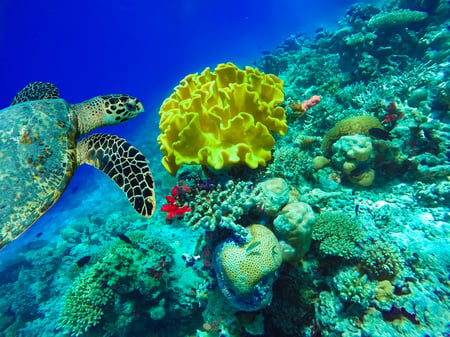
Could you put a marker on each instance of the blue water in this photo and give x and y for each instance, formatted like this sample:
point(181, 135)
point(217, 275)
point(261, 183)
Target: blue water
point(141, 47)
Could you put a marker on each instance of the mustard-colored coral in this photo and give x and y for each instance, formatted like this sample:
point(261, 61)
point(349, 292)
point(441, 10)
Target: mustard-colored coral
point(246, 265)
point(349, 126)
point(222, 118)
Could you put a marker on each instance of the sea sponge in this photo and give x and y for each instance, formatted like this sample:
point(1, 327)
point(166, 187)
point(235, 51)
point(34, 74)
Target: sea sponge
point(222, 118)
point(246, 272)
point(349, 126)
point(293, 228)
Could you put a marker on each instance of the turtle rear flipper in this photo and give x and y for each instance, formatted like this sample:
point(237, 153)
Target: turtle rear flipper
point(123, 163)
point(36, 91)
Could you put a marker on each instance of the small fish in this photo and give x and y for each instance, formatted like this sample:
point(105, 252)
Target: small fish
point(253, 246)
point(316, 209)
point(81, 262)
point(380, 134)
point(125, 238)
point(38, 234)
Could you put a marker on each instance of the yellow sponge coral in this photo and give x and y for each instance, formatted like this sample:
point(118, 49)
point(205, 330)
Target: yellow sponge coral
point(222, 118)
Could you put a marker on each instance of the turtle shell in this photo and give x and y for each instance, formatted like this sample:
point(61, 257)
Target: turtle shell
point(37, 161)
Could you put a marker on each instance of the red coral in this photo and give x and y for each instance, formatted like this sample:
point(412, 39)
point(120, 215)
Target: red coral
point(174, 211)
point(393, 114)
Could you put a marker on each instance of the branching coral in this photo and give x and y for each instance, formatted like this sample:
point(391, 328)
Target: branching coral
point(338, 234)
point(222, 207)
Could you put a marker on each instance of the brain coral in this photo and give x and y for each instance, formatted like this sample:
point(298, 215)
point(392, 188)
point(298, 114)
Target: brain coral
point(349, 126)
point(246, 271)
point(222, 118)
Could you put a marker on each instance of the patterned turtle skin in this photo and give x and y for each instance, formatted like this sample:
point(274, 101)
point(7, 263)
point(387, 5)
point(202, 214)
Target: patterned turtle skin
point(39, 153)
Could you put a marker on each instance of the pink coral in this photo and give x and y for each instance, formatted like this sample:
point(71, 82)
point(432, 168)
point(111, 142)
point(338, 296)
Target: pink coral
point(303, 107)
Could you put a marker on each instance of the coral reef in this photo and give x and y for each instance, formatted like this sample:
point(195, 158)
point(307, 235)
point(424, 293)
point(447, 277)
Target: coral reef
point(333, 258)
point(127, 277)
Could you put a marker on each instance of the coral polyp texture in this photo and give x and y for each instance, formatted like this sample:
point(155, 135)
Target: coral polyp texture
point(246, 271)
point(349, 126)
point(221, 118)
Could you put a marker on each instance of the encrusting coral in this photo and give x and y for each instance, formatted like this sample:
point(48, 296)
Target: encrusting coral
point(222, 118)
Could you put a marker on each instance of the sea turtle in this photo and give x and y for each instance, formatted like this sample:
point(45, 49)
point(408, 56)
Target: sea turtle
point(39, 153)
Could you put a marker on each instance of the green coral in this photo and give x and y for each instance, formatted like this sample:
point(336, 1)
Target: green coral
point(381, 260)
point(126, 277)
point(338, 234)
point(354, 290)
point(395, 19)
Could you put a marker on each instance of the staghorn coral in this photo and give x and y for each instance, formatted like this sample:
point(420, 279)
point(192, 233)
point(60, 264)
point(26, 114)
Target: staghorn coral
point(338, 234)
point(246, 271)
point(222, 118)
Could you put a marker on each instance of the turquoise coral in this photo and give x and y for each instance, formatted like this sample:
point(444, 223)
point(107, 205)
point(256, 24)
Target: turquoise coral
point(134, 265)
point(338, 234)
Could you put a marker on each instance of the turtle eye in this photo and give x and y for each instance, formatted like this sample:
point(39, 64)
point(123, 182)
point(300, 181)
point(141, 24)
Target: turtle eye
point(130, 106)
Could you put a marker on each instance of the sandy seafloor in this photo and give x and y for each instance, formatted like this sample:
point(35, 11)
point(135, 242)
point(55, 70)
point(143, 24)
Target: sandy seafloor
point(377, 266)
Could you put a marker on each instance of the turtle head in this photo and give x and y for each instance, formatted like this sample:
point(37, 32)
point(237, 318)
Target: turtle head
point(106, 110)
point(120, 108)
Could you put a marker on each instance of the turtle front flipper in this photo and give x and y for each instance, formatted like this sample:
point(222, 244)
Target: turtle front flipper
point(123, 163)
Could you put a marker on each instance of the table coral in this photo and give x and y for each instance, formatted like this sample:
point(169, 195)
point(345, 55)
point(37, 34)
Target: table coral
point(222, 118)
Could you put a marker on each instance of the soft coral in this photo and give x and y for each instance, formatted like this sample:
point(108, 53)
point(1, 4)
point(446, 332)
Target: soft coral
point(174, 211)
